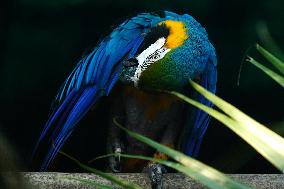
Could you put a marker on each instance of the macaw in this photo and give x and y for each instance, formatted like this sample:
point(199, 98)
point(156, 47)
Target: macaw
point(143, 57)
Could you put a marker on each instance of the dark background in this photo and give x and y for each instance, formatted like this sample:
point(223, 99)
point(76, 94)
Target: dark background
point(41, 41)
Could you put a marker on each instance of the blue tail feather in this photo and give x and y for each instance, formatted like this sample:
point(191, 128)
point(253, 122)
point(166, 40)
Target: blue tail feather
point(81, 107)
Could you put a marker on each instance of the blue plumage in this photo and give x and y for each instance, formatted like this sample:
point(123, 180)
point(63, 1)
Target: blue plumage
point(95, 75)
point(201, 121)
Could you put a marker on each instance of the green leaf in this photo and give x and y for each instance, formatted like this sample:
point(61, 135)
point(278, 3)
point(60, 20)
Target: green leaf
point(191, 172)
point(107, 176)
point(276, 77)
point(277, 63)
point(266, 142)
point(89, 182)
point(205, 174)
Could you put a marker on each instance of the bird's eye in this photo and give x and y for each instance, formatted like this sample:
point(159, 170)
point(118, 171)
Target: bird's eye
point(156, 56)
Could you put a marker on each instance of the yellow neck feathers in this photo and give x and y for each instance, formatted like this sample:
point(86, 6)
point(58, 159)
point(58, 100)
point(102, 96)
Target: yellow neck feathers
point(177, 34)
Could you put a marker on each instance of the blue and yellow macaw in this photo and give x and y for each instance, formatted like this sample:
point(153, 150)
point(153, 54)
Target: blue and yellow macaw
point(142, 57)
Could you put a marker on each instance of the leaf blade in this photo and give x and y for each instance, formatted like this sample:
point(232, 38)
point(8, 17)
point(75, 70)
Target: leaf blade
point(277, 63)
point(276, 77)
point(191, 173)
point(107, 176)
point(265, 141)
point(213, 178)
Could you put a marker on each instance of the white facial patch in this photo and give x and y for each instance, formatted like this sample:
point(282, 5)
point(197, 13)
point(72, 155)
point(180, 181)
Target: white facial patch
point(153, 53)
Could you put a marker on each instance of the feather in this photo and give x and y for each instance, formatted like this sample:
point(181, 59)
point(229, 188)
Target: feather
point(87, 98)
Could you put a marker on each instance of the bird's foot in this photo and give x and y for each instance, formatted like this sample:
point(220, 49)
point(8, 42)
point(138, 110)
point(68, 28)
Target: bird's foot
point(115, 161)
point(155, 172)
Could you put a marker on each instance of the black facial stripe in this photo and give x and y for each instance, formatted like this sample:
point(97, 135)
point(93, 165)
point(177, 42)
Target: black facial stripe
point(156, 33)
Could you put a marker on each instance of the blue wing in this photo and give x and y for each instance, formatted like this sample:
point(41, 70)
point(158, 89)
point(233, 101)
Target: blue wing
point(201, 119)
point(93, 77)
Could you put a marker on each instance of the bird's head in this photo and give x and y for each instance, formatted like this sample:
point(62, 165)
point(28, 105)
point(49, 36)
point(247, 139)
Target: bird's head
point(173, 51)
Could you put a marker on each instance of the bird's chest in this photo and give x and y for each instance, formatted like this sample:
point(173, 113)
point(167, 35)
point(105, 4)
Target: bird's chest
point(150, 114)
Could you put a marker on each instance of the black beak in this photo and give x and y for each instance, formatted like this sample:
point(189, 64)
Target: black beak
point(130, 62)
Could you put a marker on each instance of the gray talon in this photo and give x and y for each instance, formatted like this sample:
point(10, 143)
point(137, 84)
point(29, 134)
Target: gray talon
point(115, 161)
point(156, 172)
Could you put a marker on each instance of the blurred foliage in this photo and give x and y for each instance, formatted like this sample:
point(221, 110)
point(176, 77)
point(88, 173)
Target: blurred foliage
point(41, 41)
point(9, 165)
